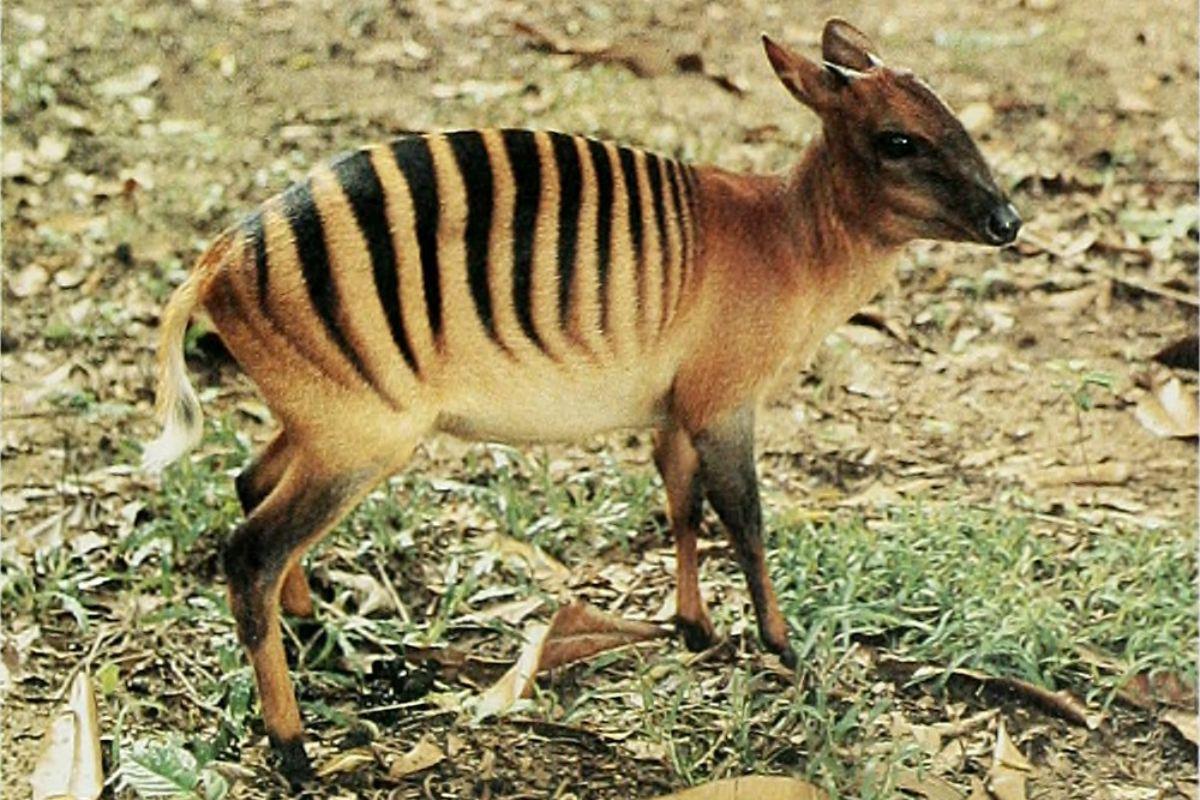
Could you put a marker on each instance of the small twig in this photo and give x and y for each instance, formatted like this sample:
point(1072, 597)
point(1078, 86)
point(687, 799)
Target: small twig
point(1144, 286)
point(189, 691)
point(103, 637)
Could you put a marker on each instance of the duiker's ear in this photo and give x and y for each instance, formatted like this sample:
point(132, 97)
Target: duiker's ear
point(844, 45)
point(808, 82)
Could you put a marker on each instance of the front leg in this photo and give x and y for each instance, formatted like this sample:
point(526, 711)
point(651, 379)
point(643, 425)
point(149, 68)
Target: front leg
point(727, 472)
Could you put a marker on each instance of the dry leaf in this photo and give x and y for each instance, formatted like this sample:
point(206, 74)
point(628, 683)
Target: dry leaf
point(69, 765)
point(512, 611)
point(1107, 474)
point(1185, 722)
point(751, 787)
point(643, 59)
point(1006, 753)
point(1010, 769)
point(1147, 690)
point(1075, 300)
point(423, 755)
point(515, 683)
point(348, 761)
point(1169, 410)
point(369, 594)
point(576, 632)
point(926, 785)
point(545, 569)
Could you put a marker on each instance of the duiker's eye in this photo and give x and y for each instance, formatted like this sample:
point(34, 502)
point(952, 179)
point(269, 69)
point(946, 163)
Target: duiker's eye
point(891, 144)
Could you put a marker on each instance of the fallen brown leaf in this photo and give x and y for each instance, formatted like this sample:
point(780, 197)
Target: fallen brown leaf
point(369, 594)
point(576, 632)
point(1146, 690)
point(1169, 410)
point(69, 765)
point(423, 755)
point(872, 317)
point(751, 787)
point(512, 611)
point(1108, 473)
point(643, 59)
point(927, 785)
point(347, 761)
point(1185, 722)
point(1010, 769)
point(544, 568)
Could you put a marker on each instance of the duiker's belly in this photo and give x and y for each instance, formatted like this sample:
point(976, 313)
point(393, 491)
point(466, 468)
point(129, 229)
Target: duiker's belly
point(555, 403)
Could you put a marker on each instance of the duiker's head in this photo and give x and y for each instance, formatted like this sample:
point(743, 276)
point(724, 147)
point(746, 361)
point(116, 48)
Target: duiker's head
point(926, 177)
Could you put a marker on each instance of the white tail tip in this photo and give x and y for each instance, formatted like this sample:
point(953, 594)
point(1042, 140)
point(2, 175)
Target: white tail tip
point(182, 431)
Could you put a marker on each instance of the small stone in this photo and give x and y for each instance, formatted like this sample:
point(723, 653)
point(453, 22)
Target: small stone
point(977, 117)
point(29, 281)
point(32, 53)
point(51, 149)
point(13, 164)
point(141, 106)
point(68, 278)
point(133, 82)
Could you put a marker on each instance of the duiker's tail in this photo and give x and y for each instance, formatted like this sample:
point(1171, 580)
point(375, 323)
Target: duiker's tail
point(176, 404)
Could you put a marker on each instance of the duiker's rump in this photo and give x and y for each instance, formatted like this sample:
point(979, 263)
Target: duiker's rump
point(518, 285)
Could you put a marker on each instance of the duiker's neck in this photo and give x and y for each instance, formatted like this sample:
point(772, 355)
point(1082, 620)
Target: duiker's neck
point(830, 213)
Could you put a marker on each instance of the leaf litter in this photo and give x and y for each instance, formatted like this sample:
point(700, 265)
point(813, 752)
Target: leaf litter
point(576, 631)
point(70, 765)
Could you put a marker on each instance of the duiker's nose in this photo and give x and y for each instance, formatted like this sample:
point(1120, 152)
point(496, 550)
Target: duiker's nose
point(1002, 224)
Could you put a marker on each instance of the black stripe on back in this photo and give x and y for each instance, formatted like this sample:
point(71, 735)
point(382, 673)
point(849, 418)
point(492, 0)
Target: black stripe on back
point(475, 166)
point(660, 221)
point(415, 161)
point(680, 223)
point(360, 183)
point(604, 183)
point(257, 236)
point(634, 189)
point(300, 210)
point(689, 187)
point(570, 192)
point(523, 158)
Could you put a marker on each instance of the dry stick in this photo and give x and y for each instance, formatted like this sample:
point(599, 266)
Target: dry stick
point(189, 691)
point(1143, 286)
point(1136, 283)
point(390, 588)
point(103, 637)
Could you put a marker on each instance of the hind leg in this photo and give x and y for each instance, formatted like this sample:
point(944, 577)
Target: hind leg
point(679, 464)
point(311, 496)
point(253, 485)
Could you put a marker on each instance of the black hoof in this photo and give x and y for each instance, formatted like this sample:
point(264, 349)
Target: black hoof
point(293, 761)
point(696, 636)
point(786, 654)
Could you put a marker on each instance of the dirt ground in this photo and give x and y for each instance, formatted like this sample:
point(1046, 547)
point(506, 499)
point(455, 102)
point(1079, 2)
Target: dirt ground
point(135, 131)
